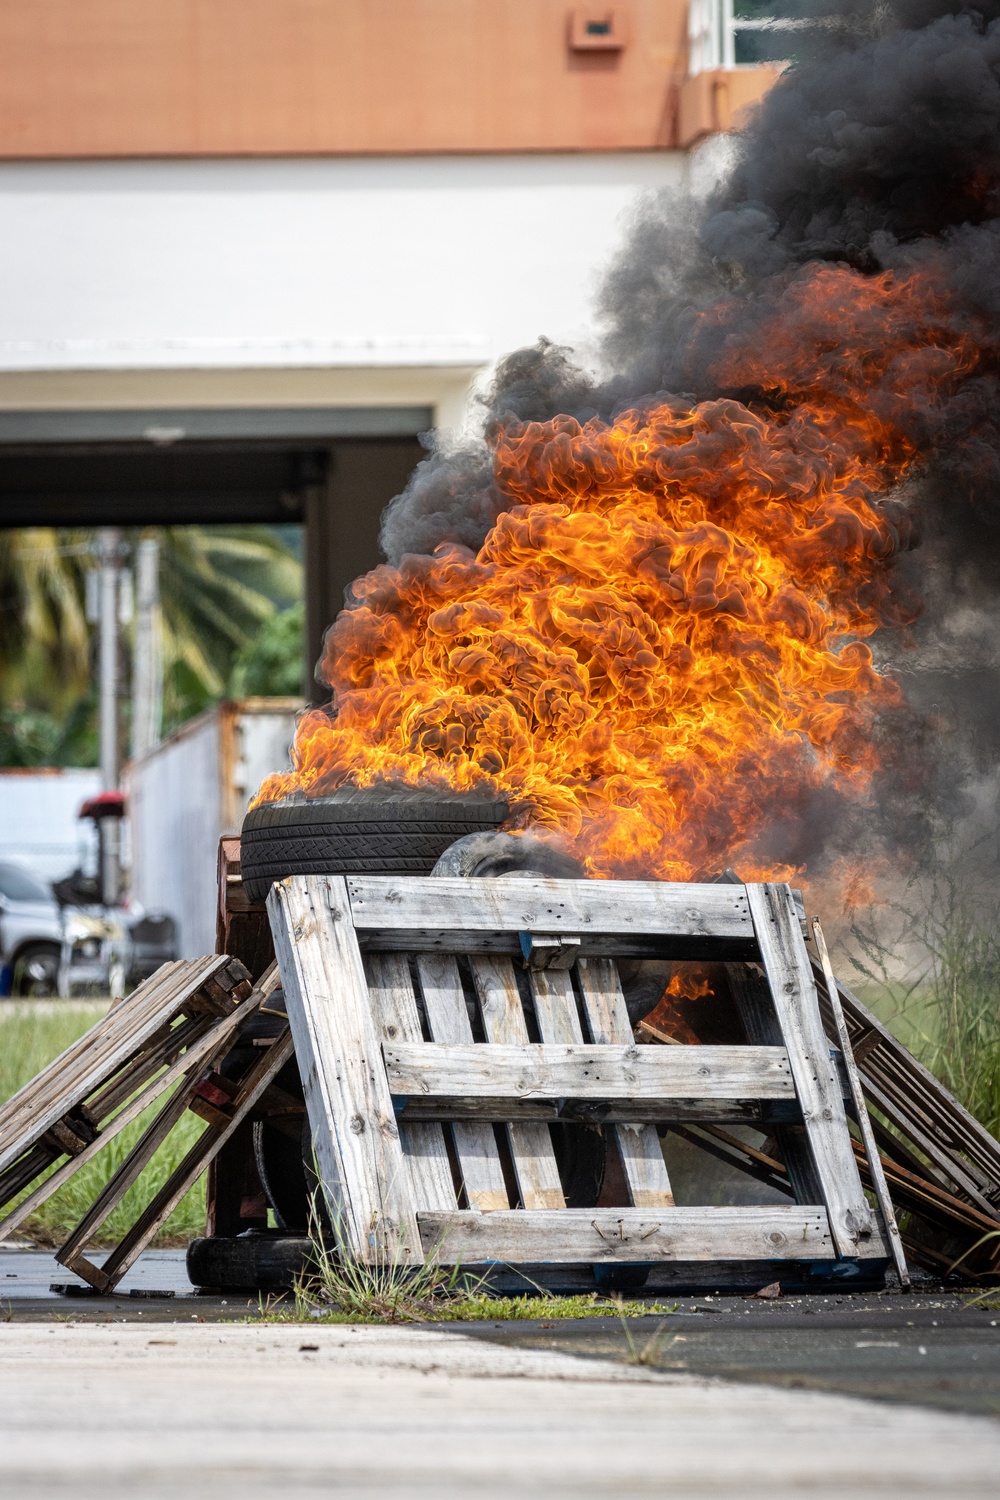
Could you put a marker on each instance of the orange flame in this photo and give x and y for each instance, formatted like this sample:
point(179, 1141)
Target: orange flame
point(687, 986)
point(660, 648)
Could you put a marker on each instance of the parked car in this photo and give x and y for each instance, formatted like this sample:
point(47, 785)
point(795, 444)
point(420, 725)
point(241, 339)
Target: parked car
point(31, 934)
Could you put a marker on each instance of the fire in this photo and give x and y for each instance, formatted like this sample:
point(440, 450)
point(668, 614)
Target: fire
point(687, 986)
point(672, 1016)
point(660, 650)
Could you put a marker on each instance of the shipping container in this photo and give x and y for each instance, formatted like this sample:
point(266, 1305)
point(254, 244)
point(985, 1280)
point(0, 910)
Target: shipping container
point(194, 787)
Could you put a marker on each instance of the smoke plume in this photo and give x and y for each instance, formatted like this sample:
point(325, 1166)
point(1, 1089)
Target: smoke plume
point(878, 153)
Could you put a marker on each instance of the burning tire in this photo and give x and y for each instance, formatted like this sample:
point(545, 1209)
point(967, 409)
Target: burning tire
point(355, 831)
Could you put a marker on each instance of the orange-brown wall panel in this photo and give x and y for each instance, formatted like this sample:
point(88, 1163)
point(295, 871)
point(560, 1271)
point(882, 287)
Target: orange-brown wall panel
point(191, 77)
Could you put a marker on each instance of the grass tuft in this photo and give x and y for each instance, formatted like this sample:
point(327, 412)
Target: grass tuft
point(944, 1004)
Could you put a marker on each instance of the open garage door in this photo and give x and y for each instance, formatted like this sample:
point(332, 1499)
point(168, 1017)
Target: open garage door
point(332, 469)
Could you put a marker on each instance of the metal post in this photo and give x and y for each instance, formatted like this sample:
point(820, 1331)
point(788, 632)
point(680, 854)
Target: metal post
point(147, 661)
point(109, 547)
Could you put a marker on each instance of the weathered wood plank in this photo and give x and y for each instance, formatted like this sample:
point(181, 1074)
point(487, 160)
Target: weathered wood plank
point(879, 1184)
point(201, 1054)
point(394, 1010)
point(96, 1055)
point(586, 1071)
point(475, 1143)
point(774, 1232)
point(555, 1005)
point(817, 1086)
point(609, 916)
point(106, 1277)
point(638, 1143)
point(504, 1023)
point(355, 1135)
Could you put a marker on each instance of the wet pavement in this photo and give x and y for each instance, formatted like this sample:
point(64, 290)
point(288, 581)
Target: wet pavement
point(936, 1349)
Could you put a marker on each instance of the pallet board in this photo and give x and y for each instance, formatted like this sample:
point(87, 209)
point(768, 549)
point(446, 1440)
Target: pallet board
point(165, 1039)
point(178, 1019)
point(433, 1062)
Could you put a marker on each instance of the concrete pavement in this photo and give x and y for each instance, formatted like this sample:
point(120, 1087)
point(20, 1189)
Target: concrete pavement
point(224, 1410)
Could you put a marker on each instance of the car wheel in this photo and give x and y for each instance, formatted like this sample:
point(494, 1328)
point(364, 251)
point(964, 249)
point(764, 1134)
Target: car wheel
point(36, 972)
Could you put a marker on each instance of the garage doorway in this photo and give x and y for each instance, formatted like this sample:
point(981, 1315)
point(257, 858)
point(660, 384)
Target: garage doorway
point(332, 470)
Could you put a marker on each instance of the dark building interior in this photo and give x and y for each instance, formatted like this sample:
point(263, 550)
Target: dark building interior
point(331, 469)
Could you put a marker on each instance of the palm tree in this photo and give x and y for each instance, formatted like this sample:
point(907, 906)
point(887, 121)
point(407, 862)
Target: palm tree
point(219, 586)
point(44, 639)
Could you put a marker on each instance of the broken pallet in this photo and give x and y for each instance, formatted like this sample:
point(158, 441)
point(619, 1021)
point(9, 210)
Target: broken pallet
point(167, 1035)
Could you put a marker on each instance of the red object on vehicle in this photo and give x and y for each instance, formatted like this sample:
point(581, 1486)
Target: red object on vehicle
point(104, 805)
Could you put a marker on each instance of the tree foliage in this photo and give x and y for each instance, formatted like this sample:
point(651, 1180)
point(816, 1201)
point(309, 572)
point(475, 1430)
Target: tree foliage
point(221, 587)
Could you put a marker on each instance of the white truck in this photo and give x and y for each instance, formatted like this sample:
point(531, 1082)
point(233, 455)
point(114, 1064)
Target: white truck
point(194, 787)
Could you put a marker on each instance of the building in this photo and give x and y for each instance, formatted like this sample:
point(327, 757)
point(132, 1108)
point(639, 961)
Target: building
point(251, 249)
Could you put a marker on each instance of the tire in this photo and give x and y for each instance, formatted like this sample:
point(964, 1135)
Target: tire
point(36, 972)
point(357, 831)
point(261, 1260)
point(483, 855)
point(281, 1167)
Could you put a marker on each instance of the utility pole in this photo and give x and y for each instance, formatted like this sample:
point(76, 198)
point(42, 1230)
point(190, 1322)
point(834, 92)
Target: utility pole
point(147, 667)
point(109, 551)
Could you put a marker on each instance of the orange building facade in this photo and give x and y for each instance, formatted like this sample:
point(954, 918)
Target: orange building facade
point(119, 78)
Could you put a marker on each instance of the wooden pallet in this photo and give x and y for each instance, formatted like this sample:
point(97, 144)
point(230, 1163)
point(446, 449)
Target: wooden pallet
point(167, 1035)
point(443, 1025)
point(940, 1163)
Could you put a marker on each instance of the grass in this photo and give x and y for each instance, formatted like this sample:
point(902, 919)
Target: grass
point(462, 1305)
point(31, 1035)
point(945, 1006)
point(340, 1289)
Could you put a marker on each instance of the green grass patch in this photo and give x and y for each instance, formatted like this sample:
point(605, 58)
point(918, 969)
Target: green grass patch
point(31, 1035)
point(339, 1289)
point(463, 1307)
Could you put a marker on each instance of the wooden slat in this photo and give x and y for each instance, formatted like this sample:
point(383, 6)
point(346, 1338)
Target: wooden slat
point(817, 1086)
point(938, 1123)
point(555, 1005)
point(475, 1143)
point(638, 1144)
point(773, 1232)
point(586, 1071)
point(504, 1023)
point(201, 1054)
point(355, 1135)
point(97, 1054)
point(876, 1173)
point(394, 1010)
point(609, 916)
point(208, 1145)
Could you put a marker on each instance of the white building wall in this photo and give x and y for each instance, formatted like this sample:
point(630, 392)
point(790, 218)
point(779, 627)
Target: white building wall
point(365, 264)
point(39, 823)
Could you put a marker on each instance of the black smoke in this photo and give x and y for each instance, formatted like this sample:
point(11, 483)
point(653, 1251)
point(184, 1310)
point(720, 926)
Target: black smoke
point(878, 150)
